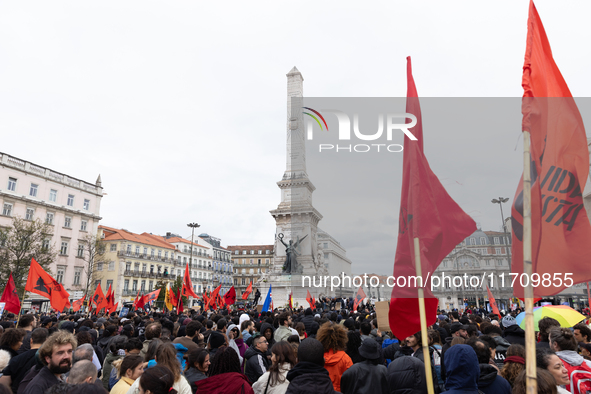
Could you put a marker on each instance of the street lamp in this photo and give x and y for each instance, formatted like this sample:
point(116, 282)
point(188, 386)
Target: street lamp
point(193, 227)
point(501, 201)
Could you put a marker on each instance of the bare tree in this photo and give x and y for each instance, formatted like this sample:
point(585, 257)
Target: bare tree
point(93, 255)
point(20, 243)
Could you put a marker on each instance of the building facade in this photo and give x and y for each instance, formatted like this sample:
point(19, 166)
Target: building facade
point(484, 254)
point(71, 206)
point(250, 262)
point(133, 263)
point(221, 263)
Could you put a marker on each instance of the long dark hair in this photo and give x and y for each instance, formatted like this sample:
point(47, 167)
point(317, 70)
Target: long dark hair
point(196, 356)
point(158, 380)
point(130, 362)
point(225, 360)
point(283, 354)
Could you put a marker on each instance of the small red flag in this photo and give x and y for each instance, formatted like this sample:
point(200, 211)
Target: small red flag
point(113, 308)
point(360, 296)
point(40, 282)
point(559, 171)
point(137, 298)
point(173, 299)
point(213, 297)
point(205, 300)
point(492, 302)
point(98, 299)
point(247, 291)
point(428, 213)
point(151, 296)
point(78, 303)
point(230, 296)
point(10, 296)
point(187, 285)
point(109, 299)
point(310, 300)
point(140, 302)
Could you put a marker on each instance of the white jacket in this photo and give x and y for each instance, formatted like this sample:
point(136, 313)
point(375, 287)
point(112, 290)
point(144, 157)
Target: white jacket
point(181, 386)
point(260, 385)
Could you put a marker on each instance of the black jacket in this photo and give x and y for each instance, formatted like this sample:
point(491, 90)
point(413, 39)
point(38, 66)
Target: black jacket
point(365, 378)
point(406, 375)
point(308, 320)
point(490, 382)
point(307, 378)
point(44, 380)
point(256, 364)
point(514, 334)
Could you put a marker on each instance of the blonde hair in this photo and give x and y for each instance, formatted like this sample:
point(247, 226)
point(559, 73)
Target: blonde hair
point(58, 338)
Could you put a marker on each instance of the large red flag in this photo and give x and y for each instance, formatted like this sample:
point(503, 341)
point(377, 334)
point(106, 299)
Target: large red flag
point(151, 296)
point(187, 285)
point(428, 213)
point(140, 302)
point(310, 300)
point(173, 299)
point(360, 296)
point(10, 297)
point(493, 302)
point(230, 296)
point(137, 298)
point(78, 303)
point(559, 168)
point(213, 297)
point(40, 282)
point(98, 299)
point(109, 299)
point(247, 291)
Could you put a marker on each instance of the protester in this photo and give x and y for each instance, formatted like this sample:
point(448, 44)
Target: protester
point(20, 365)
point(224, 375)
point(513, 333)
point(283, 331)
point(256, 359)
point(582, 333)
point(131, 368)
point(544, 381)
point(514, 363)
point(197, 367)
point(10, 343)
point(157, 380)
point(462, 370)
point(406, 375)
point(489, 381)
point(334, 340)
point(56, 355)
point(82, 371)
point(309, 375)
point(548, 360)
point(545, 324)
point(274, 381)
point(367, 376)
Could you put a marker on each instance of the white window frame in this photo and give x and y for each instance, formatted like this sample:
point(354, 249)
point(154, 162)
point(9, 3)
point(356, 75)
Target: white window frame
point(53, 195)
point(64, 248)
point(33, 190)
point(70, 201)
point(80, 252)
point(83, 225)
point(68, 222)
point(12, 184)
point(30, 214)
point(49, 217)
point(86, 204)
point(7, 209)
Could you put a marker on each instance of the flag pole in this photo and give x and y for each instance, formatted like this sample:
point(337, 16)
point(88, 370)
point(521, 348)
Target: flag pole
point(530, 344)
point(18, 318)
point(423, 317)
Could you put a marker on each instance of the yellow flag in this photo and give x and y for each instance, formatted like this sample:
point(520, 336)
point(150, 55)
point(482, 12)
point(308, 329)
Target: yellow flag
point(167, 298)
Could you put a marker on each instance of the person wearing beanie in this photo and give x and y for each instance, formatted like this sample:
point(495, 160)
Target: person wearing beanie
point(309, 375)
point(368, 376)
point(513, 333)
point(215, 341)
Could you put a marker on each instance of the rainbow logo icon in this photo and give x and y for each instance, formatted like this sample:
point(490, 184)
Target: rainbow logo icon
point(315, 118)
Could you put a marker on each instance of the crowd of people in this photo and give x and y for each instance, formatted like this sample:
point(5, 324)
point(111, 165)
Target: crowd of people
point(319, 350)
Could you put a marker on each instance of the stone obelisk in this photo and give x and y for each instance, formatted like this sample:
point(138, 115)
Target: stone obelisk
point(295, 217)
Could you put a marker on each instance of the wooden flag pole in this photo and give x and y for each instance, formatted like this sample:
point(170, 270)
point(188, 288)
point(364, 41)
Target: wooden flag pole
point(423, 317)
point(530, 342)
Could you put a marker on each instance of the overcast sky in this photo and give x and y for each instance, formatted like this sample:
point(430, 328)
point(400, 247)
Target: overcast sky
point(180, 106)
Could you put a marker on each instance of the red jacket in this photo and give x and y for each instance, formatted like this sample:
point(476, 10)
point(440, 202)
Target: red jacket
point(336, 363)
point(225, 383)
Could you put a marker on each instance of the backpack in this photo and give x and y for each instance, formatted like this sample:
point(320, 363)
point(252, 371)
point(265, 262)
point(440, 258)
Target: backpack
point(580, 378)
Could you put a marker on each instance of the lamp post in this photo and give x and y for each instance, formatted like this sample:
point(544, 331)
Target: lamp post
point(501, 201)
point(193, 227)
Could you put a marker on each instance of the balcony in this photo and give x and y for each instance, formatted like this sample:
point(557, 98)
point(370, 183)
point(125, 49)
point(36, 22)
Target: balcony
point(144, 256)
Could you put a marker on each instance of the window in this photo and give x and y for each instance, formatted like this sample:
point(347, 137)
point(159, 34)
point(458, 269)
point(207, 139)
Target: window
point(70, 200)
point(236, 251)
point(252, 252)
point(126, 285)
point(166, 255)
point(97, 282)
point(159, 254)
point(109, 283)
point(498, 250)
point(496, 240)
point(128, 266)
point(152, 252)
point(482, 241)
point(136, 267)
point(49, 218)
point(60, 274)
point(244, 252)
point(80, 250)
point(33, 191)
point(137, 250)
point(144, 267)
point(64, 248)
point(113, 247)
point(86, 204)
point(134, 285)
point(83, 225)
point(30, 214)
point(143, 285)
point(487, 262)
point(151, 286)
point(7, 210)
point(151, 268)
point(111, 266)
point(266, 261)
point(53, 195)
point(45, 244)
point(260, 252)
point(68, 222)
point(77, 275)
point(243, 271)
point(145, 251)
point(12, 184)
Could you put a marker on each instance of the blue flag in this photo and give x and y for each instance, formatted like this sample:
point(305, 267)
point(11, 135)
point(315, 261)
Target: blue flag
point(267, 303)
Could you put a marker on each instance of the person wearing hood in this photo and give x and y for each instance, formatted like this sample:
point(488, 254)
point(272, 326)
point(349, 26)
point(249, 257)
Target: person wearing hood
point(309, 374)
point(267, 332)
point(367, 376)
point(308, 320)
point(256, 359)
point(406, 375)
point(215, 341)
point(513, 333)
point(563, 342)
point(461, 364)
point(489, 382)
point(283, 332)
point(224, 375)
point(236, 342)
point(334, 340)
